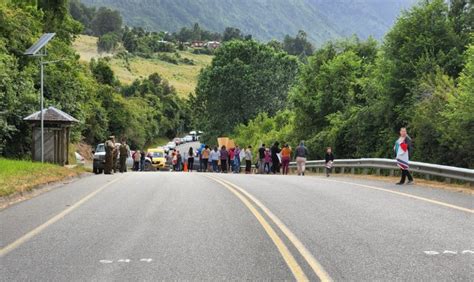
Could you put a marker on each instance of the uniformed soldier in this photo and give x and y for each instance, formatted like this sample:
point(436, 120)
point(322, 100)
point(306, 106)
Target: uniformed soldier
point(124, 152)
point(109, 154)
point(116, 156)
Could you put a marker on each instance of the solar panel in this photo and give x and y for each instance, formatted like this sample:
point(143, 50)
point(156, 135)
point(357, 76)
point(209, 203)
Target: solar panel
point(44, 39)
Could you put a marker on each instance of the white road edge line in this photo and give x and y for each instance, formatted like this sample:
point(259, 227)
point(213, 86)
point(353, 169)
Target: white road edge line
point(404, 194)
point(23, 239)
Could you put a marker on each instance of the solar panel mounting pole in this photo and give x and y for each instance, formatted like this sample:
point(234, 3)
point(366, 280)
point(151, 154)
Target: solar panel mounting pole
point(42, 109)
point(38, 49)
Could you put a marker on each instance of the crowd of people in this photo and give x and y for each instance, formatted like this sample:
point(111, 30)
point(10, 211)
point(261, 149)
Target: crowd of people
point(268, 160)
point(275, 159)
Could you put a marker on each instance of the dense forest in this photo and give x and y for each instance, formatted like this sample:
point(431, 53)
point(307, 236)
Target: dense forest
point(354, 95)
point(143, 111)
point(323, 20)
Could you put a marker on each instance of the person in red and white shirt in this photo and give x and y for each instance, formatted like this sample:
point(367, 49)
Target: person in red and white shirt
point(403, 148)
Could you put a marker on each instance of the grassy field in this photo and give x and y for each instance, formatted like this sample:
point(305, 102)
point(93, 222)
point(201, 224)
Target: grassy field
point(182, 77)
point(22, 176)
point(86, 47)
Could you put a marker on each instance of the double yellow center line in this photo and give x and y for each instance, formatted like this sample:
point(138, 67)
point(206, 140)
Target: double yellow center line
point(251, 203)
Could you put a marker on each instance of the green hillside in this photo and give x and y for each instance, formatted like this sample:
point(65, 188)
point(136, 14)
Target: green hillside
point(182, 77)
point(264, 19)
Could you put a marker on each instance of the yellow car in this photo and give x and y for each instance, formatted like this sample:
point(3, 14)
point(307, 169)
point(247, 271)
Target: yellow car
point(157, 156)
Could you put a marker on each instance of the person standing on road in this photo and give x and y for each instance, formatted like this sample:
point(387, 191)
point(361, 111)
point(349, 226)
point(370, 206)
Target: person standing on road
point(301, 155)
point(142, 160)
point(124, 152)
point(136, 160)
point(224, 155)
point(109, 155)
point(116, 157)
point(261, 159)
point(237, 159)
point(403, 149)
point(190, 159)
point(267, 161)
point(248, 160)
point(329, 158)
point(275, 150)
point(215, 155)
point(205, 157)
point(179, 161)
point(285, 158)
point(231, 159)
point(174, 160)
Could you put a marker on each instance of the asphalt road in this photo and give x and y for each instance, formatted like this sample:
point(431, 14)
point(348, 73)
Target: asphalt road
point(197, 226)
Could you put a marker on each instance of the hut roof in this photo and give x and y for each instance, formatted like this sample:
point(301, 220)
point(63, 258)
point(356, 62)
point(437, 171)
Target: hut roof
point(51, 114)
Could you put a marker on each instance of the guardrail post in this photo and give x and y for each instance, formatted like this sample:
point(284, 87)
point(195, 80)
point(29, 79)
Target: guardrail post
point(352, 170)
point(365, 171)
point(447, 180)
point(392, 172)
point(377, 171)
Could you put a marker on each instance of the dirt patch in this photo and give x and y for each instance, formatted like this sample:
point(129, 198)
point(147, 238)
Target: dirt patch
point(84, 150)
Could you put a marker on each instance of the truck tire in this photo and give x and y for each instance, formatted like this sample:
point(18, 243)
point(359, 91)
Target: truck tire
point(95, 170)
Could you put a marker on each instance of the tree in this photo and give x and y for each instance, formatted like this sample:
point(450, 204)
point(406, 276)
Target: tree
point(129, 39)
point(276, 45)
point(427, 123)
point(102, 72)
point(231, 33)
point(105, 21)
point(244, 79)
point(422, 40)
point(298, 46)
point(458, 131)
point(461, 13)
point(107, 42)
point(82, 14)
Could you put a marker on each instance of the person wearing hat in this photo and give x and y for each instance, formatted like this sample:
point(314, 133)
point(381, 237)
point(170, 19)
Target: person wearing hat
point(124, 152)
point(109, 155)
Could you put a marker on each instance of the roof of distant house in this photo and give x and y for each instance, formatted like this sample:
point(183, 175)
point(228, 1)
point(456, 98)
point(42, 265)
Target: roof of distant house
point(51, 114)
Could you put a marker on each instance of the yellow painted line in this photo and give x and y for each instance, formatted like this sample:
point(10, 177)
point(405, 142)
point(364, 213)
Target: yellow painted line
point(23, 239)
point(285, 253)
point(405, 195)
point(313, 263)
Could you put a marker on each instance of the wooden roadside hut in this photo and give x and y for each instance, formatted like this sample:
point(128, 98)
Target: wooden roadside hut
point(57, 126)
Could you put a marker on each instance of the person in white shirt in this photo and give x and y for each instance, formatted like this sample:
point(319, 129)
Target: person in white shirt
point(214, 156)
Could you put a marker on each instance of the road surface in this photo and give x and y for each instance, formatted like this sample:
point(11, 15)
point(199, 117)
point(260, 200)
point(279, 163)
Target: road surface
point(197, 226)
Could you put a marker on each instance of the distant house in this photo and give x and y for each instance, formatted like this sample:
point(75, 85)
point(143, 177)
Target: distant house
point(213, 44)
point(198, 44)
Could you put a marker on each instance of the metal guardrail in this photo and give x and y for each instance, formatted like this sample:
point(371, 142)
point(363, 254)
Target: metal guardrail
point(446, 172)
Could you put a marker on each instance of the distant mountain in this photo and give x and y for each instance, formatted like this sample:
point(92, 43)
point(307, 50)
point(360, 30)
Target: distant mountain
point(265, 19)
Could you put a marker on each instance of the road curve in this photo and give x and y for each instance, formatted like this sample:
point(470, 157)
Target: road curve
point(169, 226)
